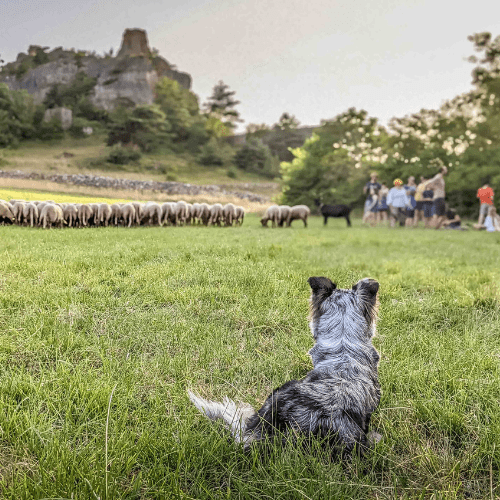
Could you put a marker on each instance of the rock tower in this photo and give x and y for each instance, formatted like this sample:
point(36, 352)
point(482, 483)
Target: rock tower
point(134, 43)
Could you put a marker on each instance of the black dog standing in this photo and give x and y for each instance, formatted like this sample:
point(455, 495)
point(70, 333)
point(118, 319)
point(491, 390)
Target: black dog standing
point(334, 211)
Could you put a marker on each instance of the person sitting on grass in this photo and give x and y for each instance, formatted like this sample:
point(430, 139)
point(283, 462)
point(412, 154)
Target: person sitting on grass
point(397, 200)
point(491, 222)
point(453, 221)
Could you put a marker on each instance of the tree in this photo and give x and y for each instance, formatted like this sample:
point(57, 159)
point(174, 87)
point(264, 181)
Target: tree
point(257, 130)
point(180, 107)
point(144, 126)
point(333, 164)
point(221, 105)
point(256, 157)
point(286, 122)
point(16, 116)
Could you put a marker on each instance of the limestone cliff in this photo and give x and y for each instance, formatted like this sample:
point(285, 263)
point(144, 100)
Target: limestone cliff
point(128, 78)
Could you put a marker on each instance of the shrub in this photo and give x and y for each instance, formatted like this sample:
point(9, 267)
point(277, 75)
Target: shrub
point(232, 173)
point(256, 157)
point(211, 153)
point(123, 156)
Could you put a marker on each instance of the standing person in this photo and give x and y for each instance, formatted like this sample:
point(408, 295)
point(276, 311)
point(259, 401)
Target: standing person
point(370, 187)
point(419, 201)
point(397, 199)
point(485, 195)
point(383, 208)
point(438, 186)
point(410, 189)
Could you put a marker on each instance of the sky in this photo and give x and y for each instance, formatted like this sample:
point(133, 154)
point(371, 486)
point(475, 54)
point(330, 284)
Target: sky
point(311, 58)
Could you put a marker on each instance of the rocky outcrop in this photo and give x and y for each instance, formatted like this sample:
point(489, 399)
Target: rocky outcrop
point(63, 115)
point(97, 181)
point(128, 79)
point(134, 43)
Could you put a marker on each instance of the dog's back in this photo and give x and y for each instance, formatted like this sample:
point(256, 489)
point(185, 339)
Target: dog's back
point(336, 399)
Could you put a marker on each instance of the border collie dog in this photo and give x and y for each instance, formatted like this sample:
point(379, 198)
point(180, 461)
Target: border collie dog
point(336, 398)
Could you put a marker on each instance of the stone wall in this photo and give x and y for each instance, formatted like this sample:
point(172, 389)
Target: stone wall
point(135, 185)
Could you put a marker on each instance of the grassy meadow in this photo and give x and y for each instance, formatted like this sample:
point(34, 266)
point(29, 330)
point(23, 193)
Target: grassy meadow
point(102, 331)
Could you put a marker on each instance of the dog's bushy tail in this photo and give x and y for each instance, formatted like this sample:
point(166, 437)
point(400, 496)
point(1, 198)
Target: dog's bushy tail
point(235, 416)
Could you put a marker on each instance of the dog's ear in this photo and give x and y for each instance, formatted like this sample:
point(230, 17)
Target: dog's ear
point(367, 286)
point(321, 286)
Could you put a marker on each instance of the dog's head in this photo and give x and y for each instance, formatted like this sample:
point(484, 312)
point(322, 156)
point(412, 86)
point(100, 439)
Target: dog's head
point(337, 311)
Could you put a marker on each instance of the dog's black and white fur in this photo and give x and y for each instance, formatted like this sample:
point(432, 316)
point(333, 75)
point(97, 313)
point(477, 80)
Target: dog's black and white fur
point(337, 397)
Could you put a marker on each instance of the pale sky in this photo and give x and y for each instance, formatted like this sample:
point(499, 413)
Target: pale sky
point(312, 58)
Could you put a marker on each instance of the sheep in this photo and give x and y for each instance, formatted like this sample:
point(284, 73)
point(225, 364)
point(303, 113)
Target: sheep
point(18, 209)
point(272, 214)
point(70, 213)
point(6, 214)
point(30, 214)
point(116, 213)
point(51, 215)
point(284, 215)
point(128, 214)
point(195, 212)
point(189, 214)
point(85, 213)
point(216, 214)
point(152, 211)
point(138, 212)
point(240, 215)
point(301, 212)
point(229, 212)
point(94, 218)
point(180, 212)
point(204, 214)
point(104, 214)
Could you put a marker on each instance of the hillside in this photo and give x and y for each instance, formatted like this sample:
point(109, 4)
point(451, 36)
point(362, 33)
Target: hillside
point(88, 156)
point(127, 79)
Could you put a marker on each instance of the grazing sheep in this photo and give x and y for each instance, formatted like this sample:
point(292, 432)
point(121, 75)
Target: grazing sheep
point(301, 212)
point(204, 214)
point(128, 214)
point(30, 214)
point(272, 214)
point(6, 214)
point(284, 215)
point(104, 214)
point(13, 202)
point(94, 218)
point(229, 213)
point(168, 212)
point(138, 207)
point(51, 215)
point(116, 213)
point(85, 213)
point(180, 212)
point(70, 213)
point(216, 214)
point(189, 215)
point(240, 215)
point(195, 213)
point(152, 213)
point(17, 210)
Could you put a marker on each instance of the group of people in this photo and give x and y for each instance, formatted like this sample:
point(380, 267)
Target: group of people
point(408, 204)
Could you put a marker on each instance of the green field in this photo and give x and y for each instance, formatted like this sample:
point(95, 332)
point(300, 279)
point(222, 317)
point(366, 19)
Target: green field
point(143, 314)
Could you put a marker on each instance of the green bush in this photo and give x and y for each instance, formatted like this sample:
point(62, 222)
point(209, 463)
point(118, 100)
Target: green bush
point(123, 156)
point(232, 173)
point(256, 157)
point(211, 153)
point(49, 131)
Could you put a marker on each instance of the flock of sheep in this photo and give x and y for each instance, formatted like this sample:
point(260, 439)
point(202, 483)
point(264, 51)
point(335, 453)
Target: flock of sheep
point(49, 213)
point(281, 215)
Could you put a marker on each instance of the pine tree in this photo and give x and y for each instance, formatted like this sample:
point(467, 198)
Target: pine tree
point(221, 104)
